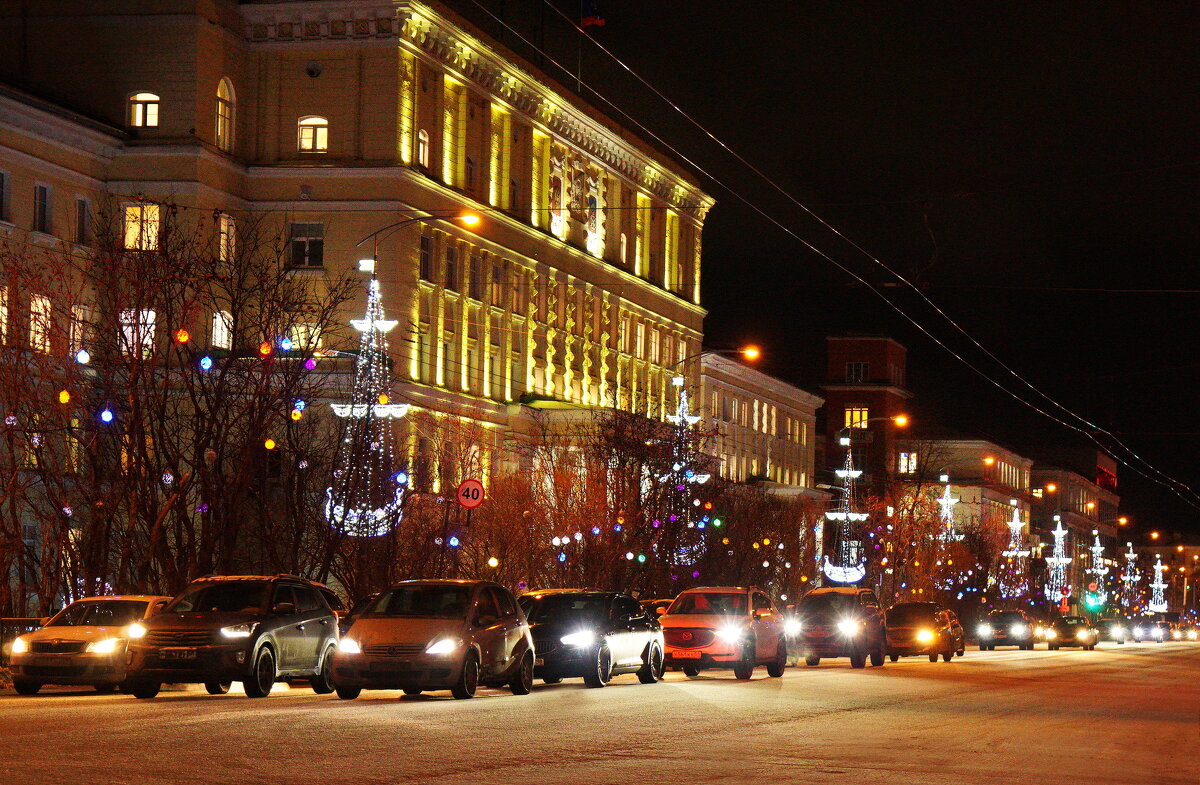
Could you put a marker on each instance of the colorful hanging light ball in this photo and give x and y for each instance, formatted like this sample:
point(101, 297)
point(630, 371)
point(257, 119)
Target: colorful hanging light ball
point(182, 335)
point(205, 363)
point(562, 557)
point(310, 363)
point(106, 415)
point(297, 414)
point(83, 357)
point(286, 344)
point(264, 348)
point(64, 396)
point(383, 399)
point(269, 444)
point(300, 404)
point(401, 478)
point(454, 542)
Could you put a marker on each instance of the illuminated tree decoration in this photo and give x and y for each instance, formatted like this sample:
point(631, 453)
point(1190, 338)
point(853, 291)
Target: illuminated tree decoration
point(1014, 575)
point(947, 502)
point(1129, 579)
point(682, 538)
point(849, 565)
point(368, 492)
point(1057, 564)
point(1158, 599)
point(1098, 570)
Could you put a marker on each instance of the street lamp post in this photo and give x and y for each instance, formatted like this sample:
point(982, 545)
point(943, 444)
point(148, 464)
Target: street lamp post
point(466, 219)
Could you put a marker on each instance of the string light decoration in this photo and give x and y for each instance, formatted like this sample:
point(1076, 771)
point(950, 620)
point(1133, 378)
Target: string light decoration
point(679, 536)
point(1057, 564)
point(850, 566)
point(1014, 575)
point(1158, 597)
point(367, 496)
point(1098, 571)
point(947, 503)
point(1129, 579)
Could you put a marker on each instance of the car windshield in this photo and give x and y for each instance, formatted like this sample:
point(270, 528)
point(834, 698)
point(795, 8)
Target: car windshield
point(104, 613)
point(566, 607)
point(1005, 617)
point(444, 602)
point(226, 597)
point(709, 603)
point(832, 604)
point(910, 614)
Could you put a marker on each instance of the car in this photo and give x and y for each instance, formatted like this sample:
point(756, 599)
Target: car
point(841, 622)
point(1184, 631)
point(1006, 628)
point(1112, 628)
point(1151, 630)
point(256, 629)
point(915, 628)
point(736, 627)
point(345, 622)
point(428, 635)
point(594, 635)
point(1071, 631)
point(656, 608)
point(83, 644)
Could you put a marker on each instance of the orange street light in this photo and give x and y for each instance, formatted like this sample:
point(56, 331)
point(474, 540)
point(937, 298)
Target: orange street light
point(468, 219)
point(1179, 549)
point(989, 460)
point(901, 420)
point(1051, 487)
point(1091, 505)
point(1154, 535)
point(750, 352)
point(1123, 521)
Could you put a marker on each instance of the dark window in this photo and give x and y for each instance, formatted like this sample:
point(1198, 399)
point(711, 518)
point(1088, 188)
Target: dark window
point(475, 289)
point(508, 608)
point(307, 244)
point(761, 603)
point(102, 613)
point(223, 597)
point(425, 257)
point(4, 196)
point(284, 593)
point(514, 192)
point(307, 599)
point(486, 606)
point(856, 372)
point(452, 268)
point(83, 222)
point(446, 602)
point(497, 293)
point(627, 607)
point(41, 209)
point(470, 171)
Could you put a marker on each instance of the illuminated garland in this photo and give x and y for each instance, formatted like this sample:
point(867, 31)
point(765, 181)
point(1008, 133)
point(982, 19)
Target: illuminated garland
point(1129, 579)
point(850, 566)
point(1158, 600)
point(1057, 563)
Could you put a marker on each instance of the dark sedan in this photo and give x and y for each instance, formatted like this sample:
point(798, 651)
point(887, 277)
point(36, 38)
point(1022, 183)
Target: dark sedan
point(1006, 628)
point(1071, 631)
point(915, 628)
point(592, 634)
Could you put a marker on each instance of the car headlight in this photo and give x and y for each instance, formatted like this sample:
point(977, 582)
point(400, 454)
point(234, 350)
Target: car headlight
point(1158, 633)
point(240, 630)
point(1177, 635)
point(925, 636)
point(349, 646)
point(1137, 631)
point(580, 639)
point(104, 646)
point(136, 631)
point(984, 630)
point(1082, 635)
point(1051, 634)
point(849, 627)
point(1019, 630)
point(444, 646)
point(792, 627)
point(1193, 635)
point(732, 632)
point(19, 646)
point(1118, 632)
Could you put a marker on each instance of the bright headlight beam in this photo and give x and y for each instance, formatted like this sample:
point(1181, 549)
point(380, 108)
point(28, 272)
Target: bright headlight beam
point(349, 646)
point(136, 631)
point(444, 646)
point(730, 633)
point(103, 646)
point(580, 638)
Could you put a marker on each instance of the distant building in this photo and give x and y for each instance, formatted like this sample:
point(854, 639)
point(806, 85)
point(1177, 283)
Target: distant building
point(1083, 506)
point(765, 426)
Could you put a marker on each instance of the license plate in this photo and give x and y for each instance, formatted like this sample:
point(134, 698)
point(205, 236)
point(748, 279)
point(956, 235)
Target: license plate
point(177, 654)
point(686, 655)
point(539, 662)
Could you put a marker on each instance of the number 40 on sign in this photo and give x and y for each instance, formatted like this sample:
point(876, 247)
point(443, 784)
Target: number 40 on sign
point(469, 494)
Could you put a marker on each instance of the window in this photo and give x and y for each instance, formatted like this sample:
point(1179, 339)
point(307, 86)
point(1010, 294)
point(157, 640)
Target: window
point(137, 333)
point(83, 221)
point(226, 237)
point(423, 148)
point(469, 168)
point(41, 209)
point(226, 104)
point(452, 268)
point(307, 244)
point(4, 189)
point(306, 336)
point(143, 110)
point(654, 344)
point(475, 285)
point(141, 227)
point(907, 463)
point(425, 258)
point(640, 341)
point(222, 330)
point(856, 372)
point(497, 293)
point(624, 249)
point(39, 323)
point(83, 325)
point(312, 135)
point(856, 416)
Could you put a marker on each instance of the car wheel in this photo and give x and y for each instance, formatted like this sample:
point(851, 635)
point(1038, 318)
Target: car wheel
point(893, 657)
point(601, 671)
point(877, 657)
point(743, 669)
point(522, 683)
point(858, 659)
point(776, 667)
point(1052, 647)
point(26, 687)
point(1121, 642)
point(947, 655)
point(349, 693)
point(690, 672)
point(261, 679)
point(933, 657)
point(217, 687)
point(105, 689)
point(812, 661)
point(468, 679)
point(322, 683)
point(552, 679)
point(145, 690)
point(412, 692)
point(651, 670)
point(960, 652)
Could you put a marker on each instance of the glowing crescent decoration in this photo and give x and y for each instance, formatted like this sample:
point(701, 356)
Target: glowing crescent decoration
point(843, 574)
point(382, 325)
point(356, 410)
point(364, 522)
point(851, 473)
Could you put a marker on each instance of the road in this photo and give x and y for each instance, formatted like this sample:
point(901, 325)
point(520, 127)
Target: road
point(1120, 714)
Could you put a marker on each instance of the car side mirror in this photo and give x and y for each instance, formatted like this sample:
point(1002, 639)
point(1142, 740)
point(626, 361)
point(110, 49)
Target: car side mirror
point(284, 608)
point(757, 615)
point(158, 607)
point(660, 610)
point(485, 620)
point(45, 620)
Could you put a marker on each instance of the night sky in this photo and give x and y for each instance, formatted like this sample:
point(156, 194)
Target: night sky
point(1032, 166)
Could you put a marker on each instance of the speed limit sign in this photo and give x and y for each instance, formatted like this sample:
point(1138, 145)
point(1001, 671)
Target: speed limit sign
point(469, 494)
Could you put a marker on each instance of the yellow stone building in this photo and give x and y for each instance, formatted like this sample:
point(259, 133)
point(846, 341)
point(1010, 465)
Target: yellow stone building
point(581, 283)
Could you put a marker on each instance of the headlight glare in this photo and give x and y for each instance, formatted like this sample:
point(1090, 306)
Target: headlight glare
point(103, 646)
point(19, 646)
point(731, 633)
point(925, 636)
point(984, 630)
point(136, 631)
point(444, 646)
point(849, 627)
point(580, 639)
point(1051, 635)
point(349, 646)
point(240, 630)
point(792, 627)
point(1082, 635)
point(1018, 630)
point(1118, 631)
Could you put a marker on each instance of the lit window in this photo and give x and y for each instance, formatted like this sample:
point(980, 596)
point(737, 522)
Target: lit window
point(908, 463)
point(654, 344)
point(226, 237)
point(83, 320)
point(39, 323)
point(451, 268)
point(306, 336)
point(312, 135)
point(856, 416)
point(226, 103)
point(640, 341)
point(423, 148)
point(306, 245)
point(222, 330)
point(141, 227)
point(137, 333)
point(143, 110)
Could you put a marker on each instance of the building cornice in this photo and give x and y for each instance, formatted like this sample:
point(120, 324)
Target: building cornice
point(59, 127)
point(868, 387)
point(718, 364)
point(422, 29)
